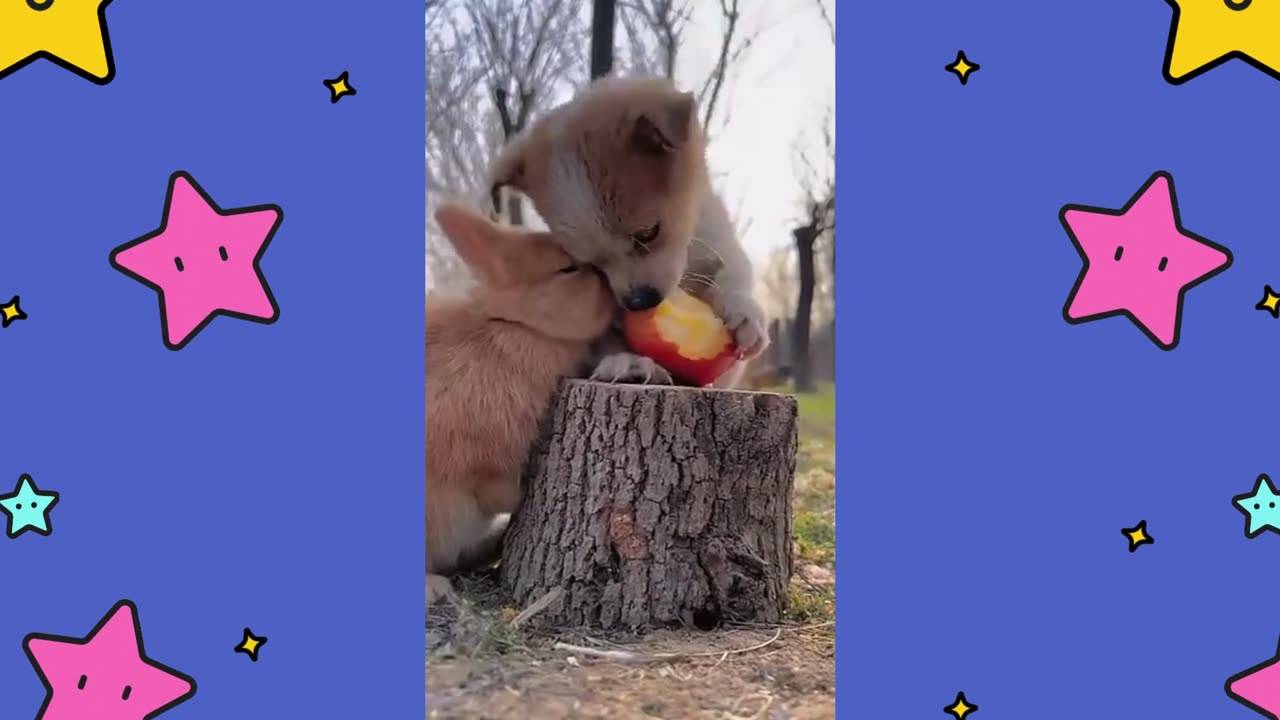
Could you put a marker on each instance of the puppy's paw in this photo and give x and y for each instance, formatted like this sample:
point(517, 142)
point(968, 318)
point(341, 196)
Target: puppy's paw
point(438, 587)
point(745, 320)
point(625, 367)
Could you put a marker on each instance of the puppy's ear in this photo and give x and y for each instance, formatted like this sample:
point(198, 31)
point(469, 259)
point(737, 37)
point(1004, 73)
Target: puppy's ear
point(666, 128)
point(477, 240)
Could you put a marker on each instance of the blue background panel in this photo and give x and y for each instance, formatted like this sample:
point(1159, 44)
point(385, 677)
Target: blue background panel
point(990, 453)
point(265, 475)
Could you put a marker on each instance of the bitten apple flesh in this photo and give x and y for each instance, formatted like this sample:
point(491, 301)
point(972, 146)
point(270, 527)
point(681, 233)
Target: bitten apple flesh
point(684, 336)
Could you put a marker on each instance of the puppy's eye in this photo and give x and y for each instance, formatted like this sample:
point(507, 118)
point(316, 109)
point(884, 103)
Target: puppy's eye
point(644, 237)
point(567, 269)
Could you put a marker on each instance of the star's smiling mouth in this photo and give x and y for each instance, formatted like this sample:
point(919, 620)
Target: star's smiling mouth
point(1233, 4)
point(37, 5)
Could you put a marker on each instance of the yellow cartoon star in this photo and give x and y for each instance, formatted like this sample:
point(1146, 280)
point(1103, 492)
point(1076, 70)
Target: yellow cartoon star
point(962, 67)
point(961, 708)
point(339, 86)
point(71, 33)
point(1270, 302)
point(1207, 33)
point(250, 644)
point(10, 311)
point(1138, 536)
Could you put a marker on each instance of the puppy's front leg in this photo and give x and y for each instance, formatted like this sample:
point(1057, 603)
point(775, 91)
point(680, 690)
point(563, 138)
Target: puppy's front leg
point(615, 364)
point(731, 300)
point(745, 320)
point(716, 254)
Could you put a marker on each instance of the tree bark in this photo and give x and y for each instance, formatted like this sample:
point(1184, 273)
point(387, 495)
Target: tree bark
point(802, 363)
point(656, 506)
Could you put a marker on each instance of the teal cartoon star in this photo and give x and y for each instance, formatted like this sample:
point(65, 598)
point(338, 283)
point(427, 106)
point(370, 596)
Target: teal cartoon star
point(28, 508)
point(1259, 507)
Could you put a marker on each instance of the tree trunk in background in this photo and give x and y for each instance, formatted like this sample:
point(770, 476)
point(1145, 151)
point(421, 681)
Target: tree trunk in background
point(512, 126)
point(602, 23)
point(802, 365)
point(515, 210)
point(833, 258)
point(652, 506)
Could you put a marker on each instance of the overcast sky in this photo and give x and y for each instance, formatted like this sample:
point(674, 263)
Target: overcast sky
point(781, 95)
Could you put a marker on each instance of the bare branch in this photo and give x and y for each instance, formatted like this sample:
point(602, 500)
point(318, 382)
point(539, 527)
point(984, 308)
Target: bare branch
point(654, 30)
point(827, 18)
point(711, 92)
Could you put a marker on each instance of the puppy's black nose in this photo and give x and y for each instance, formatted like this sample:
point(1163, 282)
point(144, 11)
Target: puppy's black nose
point(642, 298)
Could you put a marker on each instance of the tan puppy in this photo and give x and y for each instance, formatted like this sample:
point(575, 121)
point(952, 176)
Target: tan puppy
point(494, 360)
point(619, 174)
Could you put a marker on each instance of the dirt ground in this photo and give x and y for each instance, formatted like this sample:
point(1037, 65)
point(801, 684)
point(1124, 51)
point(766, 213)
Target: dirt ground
point(480, 668)
point(484, 663)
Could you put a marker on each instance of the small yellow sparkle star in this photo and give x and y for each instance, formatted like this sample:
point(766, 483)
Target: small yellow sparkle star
point(1270, 302)
point(963, 67)
point(250, 644)
point(339, 87)
point(1138, 536)
point(10, 312)
point(961, 708)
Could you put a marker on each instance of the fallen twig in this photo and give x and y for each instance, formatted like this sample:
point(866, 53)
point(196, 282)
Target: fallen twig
point(538, 606)
point(628, 656)
point(621, 655)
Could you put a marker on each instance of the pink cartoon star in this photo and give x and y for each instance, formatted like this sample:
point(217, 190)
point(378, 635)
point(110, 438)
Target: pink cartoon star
point(204, 261)
point(107, 675)
point(1258, 687)
point(1139, 261)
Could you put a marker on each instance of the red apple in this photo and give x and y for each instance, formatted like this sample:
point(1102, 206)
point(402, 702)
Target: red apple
point(683, 335)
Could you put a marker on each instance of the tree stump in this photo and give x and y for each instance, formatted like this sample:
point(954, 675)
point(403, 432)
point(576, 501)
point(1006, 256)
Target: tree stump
point(656, 506)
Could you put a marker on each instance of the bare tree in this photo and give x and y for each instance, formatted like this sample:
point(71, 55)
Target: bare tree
point(528, 49)
point(492, 65)
point(819, 221)
point(457, 147)
point(654, 31)
point(603, 25)
point(814, 236)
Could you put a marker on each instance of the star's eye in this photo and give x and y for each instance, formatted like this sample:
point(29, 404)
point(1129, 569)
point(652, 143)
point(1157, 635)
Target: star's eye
point(222, 252)
point(83, 679)
point(1119, 252)
point(177, 262)
point(644, 237)
point(127, 689)
point(1164, 263)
